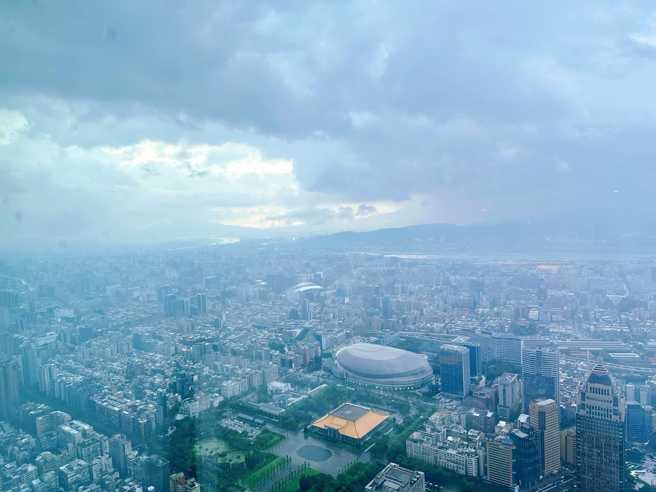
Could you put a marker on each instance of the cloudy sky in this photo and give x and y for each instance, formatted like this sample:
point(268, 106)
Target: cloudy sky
point(148, 121)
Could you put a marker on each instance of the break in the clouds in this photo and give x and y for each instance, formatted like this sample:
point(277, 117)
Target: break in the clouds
point(132, 121)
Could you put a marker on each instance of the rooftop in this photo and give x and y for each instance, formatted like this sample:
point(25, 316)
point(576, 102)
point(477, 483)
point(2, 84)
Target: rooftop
point(351, 420)
point(394, 477)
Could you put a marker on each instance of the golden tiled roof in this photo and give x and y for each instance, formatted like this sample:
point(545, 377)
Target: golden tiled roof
point(356, 429)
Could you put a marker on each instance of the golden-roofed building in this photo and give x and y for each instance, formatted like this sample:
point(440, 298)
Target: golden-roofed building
point(351, 423)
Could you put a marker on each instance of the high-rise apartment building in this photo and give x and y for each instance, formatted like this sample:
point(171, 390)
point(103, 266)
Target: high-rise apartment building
point(119, 449)
point(599, 435)
point(10, 384)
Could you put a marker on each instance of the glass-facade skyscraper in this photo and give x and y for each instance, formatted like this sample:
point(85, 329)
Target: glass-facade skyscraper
point(540, 375)
point(454, 370)
point(599, 435)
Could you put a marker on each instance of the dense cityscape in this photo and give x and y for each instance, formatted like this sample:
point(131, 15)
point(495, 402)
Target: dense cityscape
point(266, 368)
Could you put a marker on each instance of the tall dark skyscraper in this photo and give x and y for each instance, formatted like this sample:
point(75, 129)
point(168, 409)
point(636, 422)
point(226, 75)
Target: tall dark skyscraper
point(157, 473)
point(599, 435)
point(10, 383)
point(540, 375)
point(454, 370)
point(526, 457)
point(474, 358)
point(638, 422)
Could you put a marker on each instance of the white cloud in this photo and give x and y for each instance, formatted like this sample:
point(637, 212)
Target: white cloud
point(12, 124)
point(152, 189)
point(646, 38)
point(231, 160)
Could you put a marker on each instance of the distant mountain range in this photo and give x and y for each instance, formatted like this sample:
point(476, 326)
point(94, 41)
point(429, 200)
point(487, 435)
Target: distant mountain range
point(511, 237)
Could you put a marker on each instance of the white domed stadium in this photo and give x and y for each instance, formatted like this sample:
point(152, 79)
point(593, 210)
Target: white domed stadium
point(383, 367)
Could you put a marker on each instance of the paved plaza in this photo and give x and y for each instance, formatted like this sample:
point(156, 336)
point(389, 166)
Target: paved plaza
point(323, 456)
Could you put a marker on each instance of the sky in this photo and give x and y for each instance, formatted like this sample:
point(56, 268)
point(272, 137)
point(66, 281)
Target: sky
point(130, 122)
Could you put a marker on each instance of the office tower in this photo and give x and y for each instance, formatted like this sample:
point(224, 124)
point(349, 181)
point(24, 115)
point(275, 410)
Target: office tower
point(487, 347)
point(630, 392)
point(164, 291)
point(508, 349)
point(541, 375)
point(394, 478)
point(10, 386)
point(544, 419)
point(509, 395)
point(198, 303)
point(170, 303)
point(599, 435)
point(644, 393)
point(638, 422)
point(454, 370)
point(526, 457)
point(568, 446)
point(474, 359)
point(500, 469)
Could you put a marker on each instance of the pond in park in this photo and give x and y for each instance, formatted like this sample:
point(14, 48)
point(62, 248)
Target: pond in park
point(314, 453)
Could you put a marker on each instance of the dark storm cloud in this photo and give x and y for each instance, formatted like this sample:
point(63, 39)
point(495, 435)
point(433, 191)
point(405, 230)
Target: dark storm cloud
point(485, 112)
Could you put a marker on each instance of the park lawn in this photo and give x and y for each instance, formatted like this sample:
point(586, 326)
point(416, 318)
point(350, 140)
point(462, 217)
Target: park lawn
point(211, 445)
point(231, 458)
point(267, 439)
point(295, 484)
point(252, 478)
point(220, 450)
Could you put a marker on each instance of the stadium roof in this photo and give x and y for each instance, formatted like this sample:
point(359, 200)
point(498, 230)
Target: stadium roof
point(381, 362)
